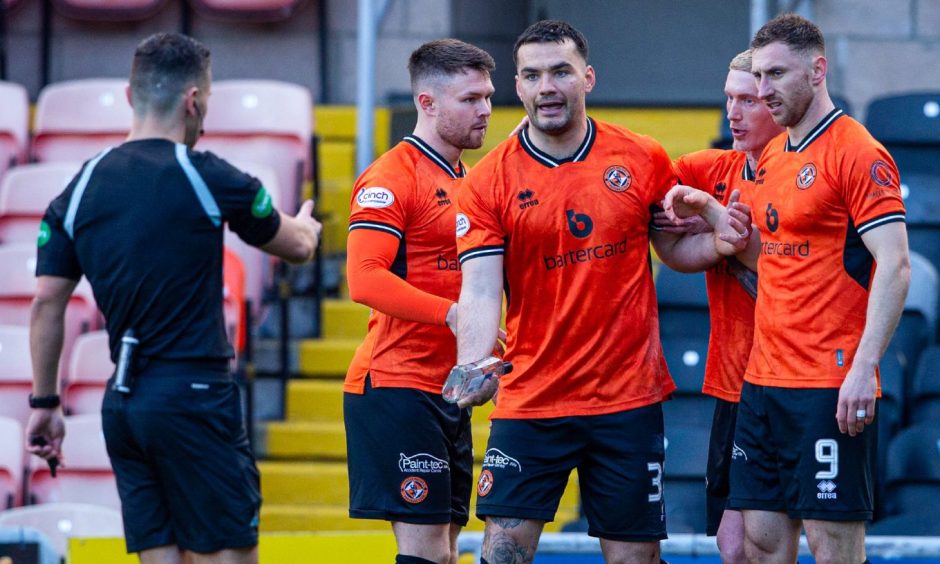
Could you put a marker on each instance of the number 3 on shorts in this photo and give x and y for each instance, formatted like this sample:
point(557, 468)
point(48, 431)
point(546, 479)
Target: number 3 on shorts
point(827, 452)
point(657, 481)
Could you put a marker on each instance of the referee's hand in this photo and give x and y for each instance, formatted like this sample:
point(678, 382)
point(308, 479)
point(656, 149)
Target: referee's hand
point(310, 224)
point(44, 433)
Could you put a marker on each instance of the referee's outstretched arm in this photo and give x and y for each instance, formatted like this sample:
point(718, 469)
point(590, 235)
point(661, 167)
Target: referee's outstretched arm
point(297, 237)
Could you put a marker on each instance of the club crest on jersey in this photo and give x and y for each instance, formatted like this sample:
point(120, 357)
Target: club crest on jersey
point(463, 224)
point(375, 197)
point(881, 173)
point(617, 178)
point(414, 490)
point(485, 483)
point(806, 177)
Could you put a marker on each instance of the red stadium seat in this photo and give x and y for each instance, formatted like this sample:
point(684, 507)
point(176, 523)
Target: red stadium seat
point(61, 521)
point(11, 462)
point(263, 121)
point(233, 298)
point(90, 367)
point(109, 10)
point(25, 193)
point(14, 124)
point(248, 10)
point(16, 373)
point(86, 475)
point(77, 119)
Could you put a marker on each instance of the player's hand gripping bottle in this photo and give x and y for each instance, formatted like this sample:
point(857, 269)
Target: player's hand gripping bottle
point(466, 379)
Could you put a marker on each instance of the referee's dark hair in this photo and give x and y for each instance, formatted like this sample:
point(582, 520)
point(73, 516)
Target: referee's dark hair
point(550, 31)
point(446, 57)
point(796, 32)
point(165, 65)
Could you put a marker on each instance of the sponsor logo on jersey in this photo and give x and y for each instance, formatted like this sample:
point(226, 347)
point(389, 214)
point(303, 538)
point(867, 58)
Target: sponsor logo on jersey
point(375, 197)
point(580, 224)
point(262, 206)
point(737, 452)
point(881, 173)
point(444, 263)
point(495, 458)
point(485, 483)
point(44, 234)
point(422, 463)
point(463, 224)
point(527, 199)
point(782, 249)
point(806, 177)
point(442, 199)
point(773, 218)
point(617, 178)
point(414, 490)
point(827, 490)
point(586, 254)
point(720, 190)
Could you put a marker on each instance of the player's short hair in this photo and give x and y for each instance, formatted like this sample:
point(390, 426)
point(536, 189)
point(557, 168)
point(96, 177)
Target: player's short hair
point(741, 62)
point(444, 58)
point(550, 31)
point(165, 65)
point(797, 32)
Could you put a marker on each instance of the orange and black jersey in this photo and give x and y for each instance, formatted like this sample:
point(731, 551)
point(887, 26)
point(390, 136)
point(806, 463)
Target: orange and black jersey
point(583, 332)
point(731, 307)
point(813, 202)
point(402, 261)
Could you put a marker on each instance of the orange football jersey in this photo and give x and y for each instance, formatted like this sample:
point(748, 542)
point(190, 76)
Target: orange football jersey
point(409, 193)
point(574, 234)
point(812, 202)
point(731, 307)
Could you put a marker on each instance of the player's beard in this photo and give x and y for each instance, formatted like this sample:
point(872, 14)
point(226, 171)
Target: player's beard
point(795, 105)
point(554, 125)
point(459, 135)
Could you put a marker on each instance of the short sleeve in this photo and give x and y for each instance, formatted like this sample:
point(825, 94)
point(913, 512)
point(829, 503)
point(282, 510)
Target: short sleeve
point(381, 198)
point(662, 174)
point(479, 229)
point(56, 254)
point(871, 187)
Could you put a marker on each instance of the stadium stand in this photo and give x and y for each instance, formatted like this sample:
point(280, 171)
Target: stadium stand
point(90, 367)
point(25, 193)
point(14, 125)
point(683, 304)
point(11, 462)
point(925, 389)
point(86, 476)
point(913, 470)
point(684, 478)
point(16, 373)
point(909, 127)
point(77, 119)
point(688, 406)
point(112, 11)
point(921, 192)
point(255, 11)
point(267, 122)
point(233, 299)
point(62, 521)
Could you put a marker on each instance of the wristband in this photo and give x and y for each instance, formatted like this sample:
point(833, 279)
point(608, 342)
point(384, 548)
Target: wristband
point(44, 402)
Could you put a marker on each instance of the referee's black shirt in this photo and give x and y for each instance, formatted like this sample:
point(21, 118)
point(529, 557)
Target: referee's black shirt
point(143, 222)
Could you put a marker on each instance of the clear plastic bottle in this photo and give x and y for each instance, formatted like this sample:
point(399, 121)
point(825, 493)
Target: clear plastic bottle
point(466, 379)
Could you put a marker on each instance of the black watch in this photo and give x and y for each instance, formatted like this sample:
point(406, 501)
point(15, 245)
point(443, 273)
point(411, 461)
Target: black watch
point(44, 402)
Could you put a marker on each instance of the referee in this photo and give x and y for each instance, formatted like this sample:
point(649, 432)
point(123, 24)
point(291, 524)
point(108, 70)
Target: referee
point(143, 221)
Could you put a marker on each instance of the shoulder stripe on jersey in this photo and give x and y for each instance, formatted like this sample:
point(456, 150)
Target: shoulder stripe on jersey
point(79, 191)
point(820, 128)
point(880, 220)
point(491, 250)
point(430, 153)
point(376, 226)
point(552, 162)
point(199, 185)
point(748, 172)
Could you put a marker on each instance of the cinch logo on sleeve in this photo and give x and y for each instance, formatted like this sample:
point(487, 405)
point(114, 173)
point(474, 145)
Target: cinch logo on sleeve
point(44, 234)
point(262, 206)
point(375, 197)
point(463, 224)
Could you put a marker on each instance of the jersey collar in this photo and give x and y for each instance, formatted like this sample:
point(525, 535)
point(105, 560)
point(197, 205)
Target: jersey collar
point(820, 128)
point(552, 162)
point(436, 157)
point(747, 173)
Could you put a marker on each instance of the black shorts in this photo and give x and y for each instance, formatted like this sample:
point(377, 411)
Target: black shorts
point(718, 470)
point(619, 457)
point(789, 456)
point(180, 453)
point(410, 456)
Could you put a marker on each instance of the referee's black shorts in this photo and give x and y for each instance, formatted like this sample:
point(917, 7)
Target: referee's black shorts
point(185, 472)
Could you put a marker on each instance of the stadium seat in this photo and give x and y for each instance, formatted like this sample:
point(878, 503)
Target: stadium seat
point(25, 193)
point(921, 523)
point(61, 521)
point(259, 11)
point(684, 478)
point(925, 288)
point(16, 373)
point(111, 10)
point(686, 360)
point(14, 124)
point(889, 418)
point(233, 299)
point(75, 120)
point(912, 477)
point(90, 367)
point(925, 389)
point(909, 340)
point(683, 304)
point(263, 121)
point(11, 462)
point(909, 127)
point(86, 476)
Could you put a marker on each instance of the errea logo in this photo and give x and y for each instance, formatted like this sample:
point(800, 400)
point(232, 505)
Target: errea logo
point(827, 490)
point(375, 197)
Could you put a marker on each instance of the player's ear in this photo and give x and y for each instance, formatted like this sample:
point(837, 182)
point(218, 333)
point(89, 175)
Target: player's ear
point(426, 103)
point(590, 79)
point(820, 65)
